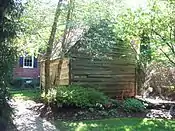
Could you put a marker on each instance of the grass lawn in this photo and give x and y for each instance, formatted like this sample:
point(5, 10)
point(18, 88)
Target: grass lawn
point(26, 94)
point(119, 124)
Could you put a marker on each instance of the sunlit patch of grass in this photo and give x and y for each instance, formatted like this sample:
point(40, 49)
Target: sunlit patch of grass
point(120, 124)
point(26, 94)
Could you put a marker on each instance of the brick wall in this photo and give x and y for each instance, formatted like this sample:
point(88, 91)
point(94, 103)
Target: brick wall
point(20, 72)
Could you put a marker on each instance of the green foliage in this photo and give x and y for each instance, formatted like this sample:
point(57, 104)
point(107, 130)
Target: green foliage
point(93, 11)
point(133, 105)
point(38, 19)
point(77, 96)
point(3, 124)
point(153, 28)
point(100, 41)
point(50, 97)
point(36, 22)
point(10, 11)
point(21, 83)
point(115, 103)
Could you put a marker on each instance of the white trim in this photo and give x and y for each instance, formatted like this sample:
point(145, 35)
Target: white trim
point(32, 62)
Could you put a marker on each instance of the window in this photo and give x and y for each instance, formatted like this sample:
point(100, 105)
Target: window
point(28, 62)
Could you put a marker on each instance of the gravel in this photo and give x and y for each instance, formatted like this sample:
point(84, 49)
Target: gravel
point(26, 119)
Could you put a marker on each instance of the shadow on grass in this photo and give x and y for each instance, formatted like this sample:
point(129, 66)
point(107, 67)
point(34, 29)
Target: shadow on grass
point(28, 94)
point(123, 124)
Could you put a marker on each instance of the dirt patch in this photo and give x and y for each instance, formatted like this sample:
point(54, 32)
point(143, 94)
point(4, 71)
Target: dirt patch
point(75, 114)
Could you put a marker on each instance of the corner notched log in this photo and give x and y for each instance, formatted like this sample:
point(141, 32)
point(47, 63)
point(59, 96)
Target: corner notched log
point(47, 75)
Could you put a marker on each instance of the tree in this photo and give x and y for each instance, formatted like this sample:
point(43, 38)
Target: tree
point(49, 47)
point(100, 40)
point(38, 17)
point(52, 40)
point(36, 22)
point(10, 11)
point(156, 22)
point(152, 29)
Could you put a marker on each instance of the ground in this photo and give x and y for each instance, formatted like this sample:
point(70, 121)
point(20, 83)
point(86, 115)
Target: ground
point(118, 124)
point(27, 119)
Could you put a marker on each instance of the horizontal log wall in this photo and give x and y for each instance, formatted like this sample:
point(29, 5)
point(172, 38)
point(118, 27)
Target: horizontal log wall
point(56, 67)
point(109, 76)
point(112, 75)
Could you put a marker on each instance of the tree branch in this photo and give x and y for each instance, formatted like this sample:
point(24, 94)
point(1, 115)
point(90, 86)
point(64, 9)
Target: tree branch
point(168, 57)
point(53, 30)
point(42, 38)
point(168, 44)
point(66, 31)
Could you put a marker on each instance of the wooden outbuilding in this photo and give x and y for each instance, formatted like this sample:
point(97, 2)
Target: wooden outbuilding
point(108, 67)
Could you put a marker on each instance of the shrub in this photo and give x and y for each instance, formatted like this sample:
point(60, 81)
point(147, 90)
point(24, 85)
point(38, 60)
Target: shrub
point(50, 97)
point(133, 105)
point(21, 83)
point(77, 96)
point(3, 124)
point(5, 110)
point(115, 103)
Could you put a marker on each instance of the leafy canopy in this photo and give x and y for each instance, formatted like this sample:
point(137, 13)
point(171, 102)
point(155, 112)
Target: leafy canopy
point(156, 24)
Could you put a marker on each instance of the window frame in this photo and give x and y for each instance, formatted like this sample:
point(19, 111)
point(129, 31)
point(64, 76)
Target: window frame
point(24, 62)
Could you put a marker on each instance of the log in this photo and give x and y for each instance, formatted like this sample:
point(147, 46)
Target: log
point(156, 103)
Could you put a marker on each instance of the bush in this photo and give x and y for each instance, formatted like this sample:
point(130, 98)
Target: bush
point(115, 103)
point(3, 124)
point(21, 83)
point(133, 105)
point(5, 110)
point(77, 96)
point(50, 97)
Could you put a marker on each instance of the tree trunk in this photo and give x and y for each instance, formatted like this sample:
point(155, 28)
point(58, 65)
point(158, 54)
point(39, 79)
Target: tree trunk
point(49, 48)
point(64, 44)
point(3, 6)
point(66, 32)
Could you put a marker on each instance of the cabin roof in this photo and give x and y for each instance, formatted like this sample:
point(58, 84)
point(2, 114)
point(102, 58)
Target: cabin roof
point(72, 37)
